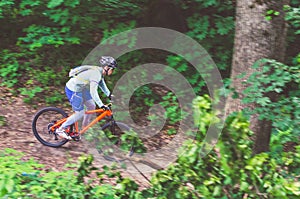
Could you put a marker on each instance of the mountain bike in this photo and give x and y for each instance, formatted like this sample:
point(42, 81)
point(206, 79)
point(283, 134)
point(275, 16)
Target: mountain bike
point(47, 120)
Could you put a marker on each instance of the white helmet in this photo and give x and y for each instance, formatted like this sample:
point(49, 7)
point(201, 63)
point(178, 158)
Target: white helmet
point(108, 61)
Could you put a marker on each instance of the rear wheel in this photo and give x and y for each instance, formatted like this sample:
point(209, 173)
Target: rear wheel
point(42, 123)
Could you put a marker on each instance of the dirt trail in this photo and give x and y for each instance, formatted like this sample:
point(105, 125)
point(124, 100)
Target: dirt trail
point(16, 133)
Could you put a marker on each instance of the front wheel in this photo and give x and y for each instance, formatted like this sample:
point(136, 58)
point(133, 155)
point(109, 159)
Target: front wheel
point(120, 140)
point(42, 123)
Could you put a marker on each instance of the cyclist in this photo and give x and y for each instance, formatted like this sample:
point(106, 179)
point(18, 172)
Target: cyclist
point(82, 89)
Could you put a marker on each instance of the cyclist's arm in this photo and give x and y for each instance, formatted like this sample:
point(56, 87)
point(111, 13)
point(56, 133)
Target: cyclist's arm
point(94, 81)
point(103, 87)
point(94, 93)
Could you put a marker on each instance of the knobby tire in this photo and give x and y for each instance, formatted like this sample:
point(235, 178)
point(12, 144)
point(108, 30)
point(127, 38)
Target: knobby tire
point(41, 130)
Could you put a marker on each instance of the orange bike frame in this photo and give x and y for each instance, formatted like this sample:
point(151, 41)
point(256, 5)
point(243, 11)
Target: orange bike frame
point(103, 114)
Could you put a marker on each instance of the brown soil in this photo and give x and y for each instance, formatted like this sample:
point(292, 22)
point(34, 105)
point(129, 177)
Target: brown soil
point(15, 132)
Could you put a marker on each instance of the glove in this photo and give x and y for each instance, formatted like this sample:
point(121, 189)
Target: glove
point(104, 107)
point(110, 96)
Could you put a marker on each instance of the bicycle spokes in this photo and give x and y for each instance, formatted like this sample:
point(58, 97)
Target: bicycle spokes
point(44, 126)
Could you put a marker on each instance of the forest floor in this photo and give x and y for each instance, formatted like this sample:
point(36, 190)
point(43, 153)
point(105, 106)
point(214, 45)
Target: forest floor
point(16, 133)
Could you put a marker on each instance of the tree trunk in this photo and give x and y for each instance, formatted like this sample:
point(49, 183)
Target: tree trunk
point(255, 38)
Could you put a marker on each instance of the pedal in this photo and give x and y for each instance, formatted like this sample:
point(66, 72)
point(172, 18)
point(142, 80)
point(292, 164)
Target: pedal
point(75, 136)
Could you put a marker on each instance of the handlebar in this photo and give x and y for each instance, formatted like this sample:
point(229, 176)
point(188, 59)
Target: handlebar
point(100, 110)
point(109, 104)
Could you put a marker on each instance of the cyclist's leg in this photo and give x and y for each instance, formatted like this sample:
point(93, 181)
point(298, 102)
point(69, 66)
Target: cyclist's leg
point(90, 105)
point(76, 100)
point(73, 118)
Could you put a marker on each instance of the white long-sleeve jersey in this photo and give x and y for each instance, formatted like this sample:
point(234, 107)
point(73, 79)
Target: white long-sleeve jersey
point(89, 79)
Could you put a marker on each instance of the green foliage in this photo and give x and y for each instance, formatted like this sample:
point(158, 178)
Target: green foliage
point(202, 113)
point(280, 139)
point(129, 139)
point(120, 27)
point(66, 17)
point(203, 29)
point(46, 38)
point(211, 23)
point(267, 90)
point(13, 173)
point(41, 36)
point(224, 25)
point(25, 179)
point(47, 33)
point(191, 75)
point(54, 35)
point(15, 71)
point(229, 170)
point(293, 17)
point(199, 26)
point(55, 3)
point(3, 121)
point(47, 77)
point(5, 5)
point(270, 14)
point(204, 116)
point(11, 67)
point(85, 168)
point(170, 103)
point(55, 97)
point(125, 188)
point(106, 141)
point(30, 94)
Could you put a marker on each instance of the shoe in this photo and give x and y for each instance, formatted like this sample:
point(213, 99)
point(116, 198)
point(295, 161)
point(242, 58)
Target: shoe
point(75, 136)
point(62, 134)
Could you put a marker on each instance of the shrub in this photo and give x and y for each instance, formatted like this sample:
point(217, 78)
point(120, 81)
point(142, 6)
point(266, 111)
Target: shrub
point(26, 179)
point(229, 170)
